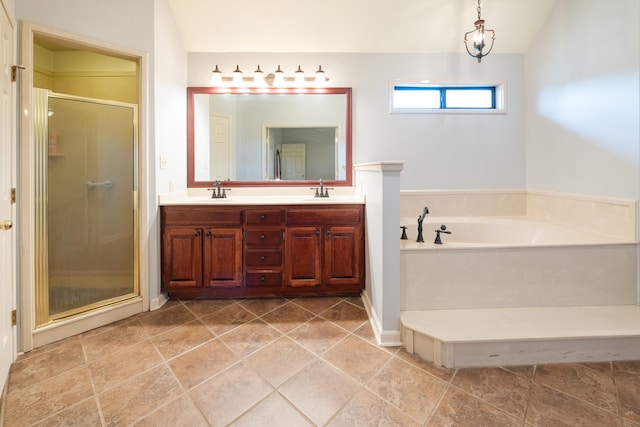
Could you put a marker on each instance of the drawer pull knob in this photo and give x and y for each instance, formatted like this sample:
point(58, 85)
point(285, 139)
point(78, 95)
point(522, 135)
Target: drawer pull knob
point(263, 279)
point(263, 258)
point(262, 237)
point(263, 217)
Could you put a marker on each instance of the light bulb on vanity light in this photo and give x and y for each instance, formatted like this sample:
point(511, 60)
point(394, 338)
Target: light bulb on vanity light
point(299, 77)
point(278, 77)
point(320, 79)
point(216, 77)
point(237, 77)
point(258, 78)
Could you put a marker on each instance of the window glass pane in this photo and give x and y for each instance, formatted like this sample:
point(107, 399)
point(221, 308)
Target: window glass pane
point(415, 98)
point(469, 98)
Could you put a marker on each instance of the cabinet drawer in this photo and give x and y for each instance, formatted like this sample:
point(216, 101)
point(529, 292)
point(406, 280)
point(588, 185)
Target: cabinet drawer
point(263, 216)
point(264, 278)
point(322, 215)
point(201, 215)
point(259, 258)
point(263, 237)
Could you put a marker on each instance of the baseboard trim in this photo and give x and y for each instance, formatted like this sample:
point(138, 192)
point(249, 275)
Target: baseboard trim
point(383, 338)
point(157, 302)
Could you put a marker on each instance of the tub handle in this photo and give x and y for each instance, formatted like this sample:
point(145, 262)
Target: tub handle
point(443, 229)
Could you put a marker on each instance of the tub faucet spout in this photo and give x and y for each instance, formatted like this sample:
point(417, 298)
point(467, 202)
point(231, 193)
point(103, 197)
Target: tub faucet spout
point(420, 239)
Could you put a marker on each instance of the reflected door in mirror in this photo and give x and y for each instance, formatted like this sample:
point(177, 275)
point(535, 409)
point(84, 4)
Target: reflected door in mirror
point(220, 155)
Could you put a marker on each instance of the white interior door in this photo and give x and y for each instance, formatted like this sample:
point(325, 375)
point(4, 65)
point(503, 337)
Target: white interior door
point(293, 161)
point(7, 277)
point(220, 150)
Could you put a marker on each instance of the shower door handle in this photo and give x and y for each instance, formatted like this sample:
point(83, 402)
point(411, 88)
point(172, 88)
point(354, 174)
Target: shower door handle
point(6, 224)
point(107, 184)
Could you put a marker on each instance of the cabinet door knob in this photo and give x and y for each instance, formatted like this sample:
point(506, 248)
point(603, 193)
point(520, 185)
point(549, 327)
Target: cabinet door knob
point(208, 234)
point(196, 234)
point(317, 232)
point(328, 232)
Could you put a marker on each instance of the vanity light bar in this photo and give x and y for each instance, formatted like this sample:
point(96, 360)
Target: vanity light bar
point(275, 79)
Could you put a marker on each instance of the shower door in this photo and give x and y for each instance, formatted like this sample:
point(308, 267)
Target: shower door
point(87, 221)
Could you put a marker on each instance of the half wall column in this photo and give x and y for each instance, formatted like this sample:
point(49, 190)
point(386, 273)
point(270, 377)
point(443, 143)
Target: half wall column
point(380, 182)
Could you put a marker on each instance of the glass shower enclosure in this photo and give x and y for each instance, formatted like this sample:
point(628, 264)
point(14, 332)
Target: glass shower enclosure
point(86, 204)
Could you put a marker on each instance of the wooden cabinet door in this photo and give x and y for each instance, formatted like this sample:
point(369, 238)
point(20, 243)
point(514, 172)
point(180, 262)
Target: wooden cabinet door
point(181, 257)
point(223, 257)
point(303, 256)
point(342, 256)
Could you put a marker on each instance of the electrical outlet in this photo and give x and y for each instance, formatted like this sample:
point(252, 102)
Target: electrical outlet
point(163, 162)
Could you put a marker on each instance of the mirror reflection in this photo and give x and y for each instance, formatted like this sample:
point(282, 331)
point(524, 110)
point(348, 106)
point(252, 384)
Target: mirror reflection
point(269, 136)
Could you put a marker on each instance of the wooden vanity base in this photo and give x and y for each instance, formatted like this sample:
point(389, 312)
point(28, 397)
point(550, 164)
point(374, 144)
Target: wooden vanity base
point(259, 251)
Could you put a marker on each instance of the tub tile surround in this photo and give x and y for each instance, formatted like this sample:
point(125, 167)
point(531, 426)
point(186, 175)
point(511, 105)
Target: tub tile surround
point(611, 216)
point(616, 217)
point(514, 286)
point(463, 202)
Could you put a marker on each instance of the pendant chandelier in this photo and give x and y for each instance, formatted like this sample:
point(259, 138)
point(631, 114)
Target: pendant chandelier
point(480, 39)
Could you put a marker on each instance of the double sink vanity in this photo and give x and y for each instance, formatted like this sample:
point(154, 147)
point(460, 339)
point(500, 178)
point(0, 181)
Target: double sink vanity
point(270, 235)
point(257, 245)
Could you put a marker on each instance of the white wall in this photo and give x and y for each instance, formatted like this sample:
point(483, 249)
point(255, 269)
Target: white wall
point(441, 150)
point(582, 100)
point(120, 22)
point(169, 109)
point(140, 25)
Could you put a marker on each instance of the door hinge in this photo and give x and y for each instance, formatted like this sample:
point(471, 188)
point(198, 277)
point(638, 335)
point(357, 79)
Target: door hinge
point(14, 318)
point(14, 72)
point(13, 196)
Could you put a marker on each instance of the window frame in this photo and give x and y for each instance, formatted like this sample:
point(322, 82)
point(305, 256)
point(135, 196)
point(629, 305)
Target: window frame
point(498, 89)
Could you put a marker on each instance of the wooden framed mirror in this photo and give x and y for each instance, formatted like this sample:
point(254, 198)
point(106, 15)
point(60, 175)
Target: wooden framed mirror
point(268, 136)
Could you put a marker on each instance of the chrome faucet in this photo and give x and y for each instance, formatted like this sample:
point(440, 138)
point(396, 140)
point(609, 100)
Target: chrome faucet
point(221, 192)
point(420, 239)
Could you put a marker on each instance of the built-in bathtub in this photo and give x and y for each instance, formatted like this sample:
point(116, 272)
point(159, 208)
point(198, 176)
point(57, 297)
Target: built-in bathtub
point(496, 262)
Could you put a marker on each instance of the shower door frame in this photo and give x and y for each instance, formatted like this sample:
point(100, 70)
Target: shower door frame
point(31, 336)
point(42, 273)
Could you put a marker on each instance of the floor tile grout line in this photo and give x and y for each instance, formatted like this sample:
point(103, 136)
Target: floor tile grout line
point(593, 405)
point(617, 390)
point(497, 408)
point(380, 369)
point(185, 393)
point(93, 384)
point(527, 406)
point(431, 414)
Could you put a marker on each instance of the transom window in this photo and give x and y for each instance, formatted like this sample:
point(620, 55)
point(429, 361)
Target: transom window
point(426, 98)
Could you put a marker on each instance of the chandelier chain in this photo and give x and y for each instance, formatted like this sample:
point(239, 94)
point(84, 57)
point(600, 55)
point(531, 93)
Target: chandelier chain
point(479, 9)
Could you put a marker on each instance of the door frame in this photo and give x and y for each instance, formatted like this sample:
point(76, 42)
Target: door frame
point(13, 253)
point(32, 336)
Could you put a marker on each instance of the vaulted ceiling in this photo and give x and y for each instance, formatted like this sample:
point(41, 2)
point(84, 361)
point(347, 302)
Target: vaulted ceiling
point(354, 25)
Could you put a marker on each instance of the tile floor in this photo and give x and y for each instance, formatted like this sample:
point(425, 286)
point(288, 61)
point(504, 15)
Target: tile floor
point(300, 362)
